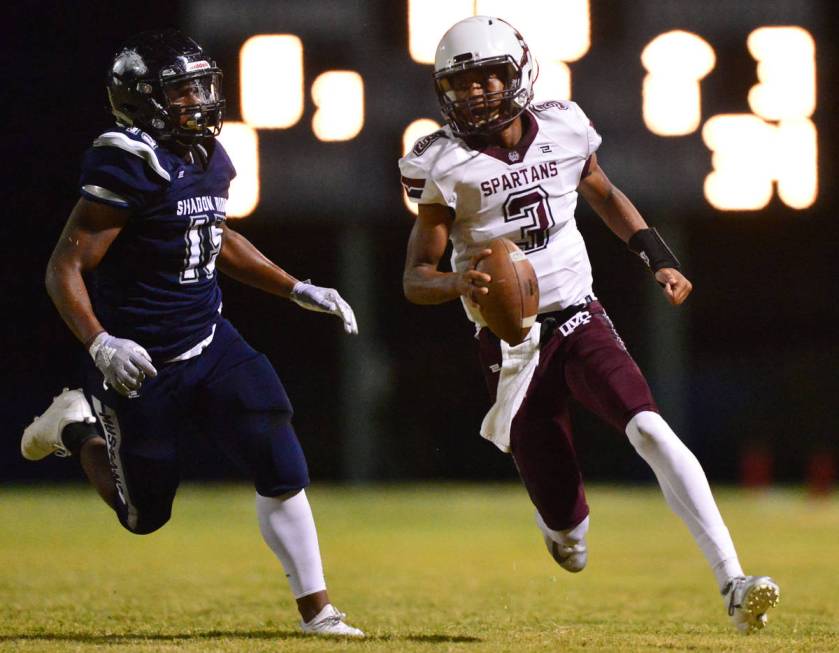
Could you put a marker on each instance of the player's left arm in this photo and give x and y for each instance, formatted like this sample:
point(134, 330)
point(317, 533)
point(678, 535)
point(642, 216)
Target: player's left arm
point(242, 261)
point(621, 216)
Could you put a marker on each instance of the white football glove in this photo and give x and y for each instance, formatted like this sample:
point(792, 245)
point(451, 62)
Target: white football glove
point(324, 300)
point(123, 363)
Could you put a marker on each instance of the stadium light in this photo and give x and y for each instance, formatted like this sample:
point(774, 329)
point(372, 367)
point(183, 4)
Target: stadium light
point(271, 74)
point(412, 133)
point(750, 153)
point(555, 30)
point(796, 163)
point(675, 62)
point(743, 153)
point(786, 69)
point(428, 20)
point(339, 98)
point(554, 82)
point(242, 145)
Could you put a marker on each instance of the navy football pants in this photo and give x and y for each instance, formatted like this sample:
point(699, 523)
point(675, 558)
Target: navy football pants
point(230, 395)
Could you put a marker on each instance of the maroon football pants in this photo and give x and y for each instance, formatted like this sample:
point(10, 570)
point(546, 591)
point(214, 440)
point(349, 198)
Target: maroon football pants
point(584, 359)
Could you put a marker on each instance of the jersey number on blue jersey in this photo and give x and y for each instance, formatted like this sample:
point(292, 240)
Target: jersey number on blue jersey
point(203, 243)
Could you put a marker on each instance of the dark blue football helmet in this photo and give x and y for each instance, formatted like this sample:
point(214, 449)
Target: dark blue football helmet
point(162, 82)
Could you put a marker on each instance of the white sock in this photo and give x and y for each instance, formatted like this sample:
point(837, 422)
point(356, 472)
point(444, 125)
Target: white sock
point(568, 537)
point(288, 528)
point(686, 490)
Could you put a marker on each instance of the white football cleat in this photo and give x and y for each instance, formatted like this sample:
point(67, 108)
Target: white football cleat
point(43, 436)
point(329, 621)
point(571, 558)
point(748, 598)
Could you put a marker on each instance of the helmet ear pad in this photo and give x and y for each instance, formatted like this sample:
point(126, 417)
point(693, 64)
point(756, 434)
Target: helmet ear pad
point(476, 43)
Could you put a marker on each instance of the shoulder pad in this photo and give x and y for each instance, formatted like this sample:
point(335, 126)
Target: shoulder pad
point(136, 142)
point(222, 154)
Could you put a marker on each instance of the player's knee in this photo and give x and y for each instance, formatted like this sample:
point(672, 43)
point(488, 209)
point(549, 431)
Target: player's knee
point(288, 486)
point(647, 431)
point(279, 493)
point(143, 522)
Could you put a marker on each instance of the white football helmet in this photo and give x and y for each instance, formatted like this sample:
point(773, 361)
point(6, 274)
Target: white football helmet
point(484, 42)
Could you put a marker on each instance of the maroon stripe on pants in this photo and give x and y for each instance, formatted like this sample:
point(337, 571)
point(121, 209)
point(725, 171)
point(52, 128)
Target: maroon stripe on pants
point(591, 365)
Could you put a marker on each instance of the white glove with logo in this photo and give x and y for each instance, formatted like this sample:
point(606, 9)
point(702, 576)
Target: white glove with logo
point(123, 363)
point(324, 300)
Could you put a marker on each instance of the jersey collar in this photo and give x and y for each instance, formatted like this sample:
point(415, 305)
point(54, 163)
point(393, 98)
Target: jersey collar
point(514, 155)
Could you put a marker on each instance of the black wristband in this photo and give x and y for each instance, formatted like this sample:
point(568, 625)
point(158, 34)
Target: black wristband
point(652, 249)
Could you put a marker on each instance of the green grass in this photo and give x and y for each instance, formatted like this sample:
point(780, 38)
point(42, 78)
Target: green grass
point(419, 568)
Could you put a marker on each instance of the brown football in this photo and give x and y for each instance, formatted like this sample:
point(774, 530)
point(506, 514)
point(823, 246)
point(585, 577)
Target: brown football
point(511, 305)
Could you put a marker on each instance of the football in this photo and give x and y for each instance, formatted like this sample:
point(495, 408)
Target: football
point(512, 303)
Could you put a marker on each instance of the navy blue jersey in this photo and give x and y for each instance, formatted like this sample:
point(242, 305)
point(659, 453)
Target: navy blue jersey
point(157, 283)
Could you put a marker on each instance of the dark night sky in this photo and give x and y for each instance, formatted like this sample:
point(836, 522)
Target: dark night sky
point(761, 326)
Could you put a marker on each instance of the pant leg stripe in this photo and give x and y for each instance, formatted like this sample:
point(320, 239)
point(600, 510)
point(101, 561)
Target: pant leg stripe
point(113, 438)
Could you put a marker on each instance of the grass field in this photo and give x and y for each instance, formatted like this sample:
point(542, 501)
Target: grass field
point(420, 568)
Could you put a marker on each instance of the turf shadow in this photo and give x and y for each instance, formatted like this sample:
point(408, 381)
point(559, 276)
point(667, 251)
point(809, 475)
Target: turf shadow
point(129, 638)
point(86, 638)
point(436, 639)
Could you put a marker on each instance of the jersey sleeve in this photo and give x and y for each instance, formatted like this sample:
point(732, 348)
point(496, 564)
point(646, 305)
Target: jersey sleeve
point(115, 174)
point(592, 138)
point(418, 179)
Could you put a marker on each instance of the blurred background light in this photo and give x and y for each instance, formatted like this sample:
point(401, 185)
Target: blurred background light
point(411, 135)
point(555, 30)
point(796, 163)
point(339, 98)
point(428, 20)
point(786, 69)
point(242, 145)
point(554, 81)
point(271, 74)
point(743, 155)
point(675, 62)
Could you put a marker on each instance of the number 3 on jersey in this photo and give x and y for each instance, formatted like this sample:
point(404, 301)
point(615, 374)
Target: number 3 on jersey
point(531, 207)
point(203, 243)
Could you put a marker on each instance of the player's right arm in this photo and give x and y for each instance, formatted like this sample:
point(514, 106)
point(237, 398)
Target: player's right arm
point(89, 232)
point(422, 282)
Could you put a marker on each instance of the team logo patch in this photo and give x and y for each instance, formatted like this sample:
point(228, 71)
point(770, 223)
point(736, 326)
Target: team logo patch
point(570, 326)
point(513, 156)
point(197, 65)
point(422, 144)
point(148, 140)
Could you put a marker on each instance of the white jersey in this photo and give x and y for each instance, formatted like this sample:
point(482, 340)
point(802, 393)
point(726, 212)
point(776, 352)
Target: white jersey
point(527, 194)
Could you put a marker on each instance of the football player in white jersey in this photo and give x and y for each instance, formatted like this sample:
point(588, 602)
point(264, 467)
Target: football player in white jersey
point(504, 166)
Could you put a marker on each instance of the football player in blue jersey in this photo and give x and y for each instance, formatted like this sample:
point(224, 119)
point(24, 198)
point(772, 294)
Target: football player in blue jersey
point(150, 227)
